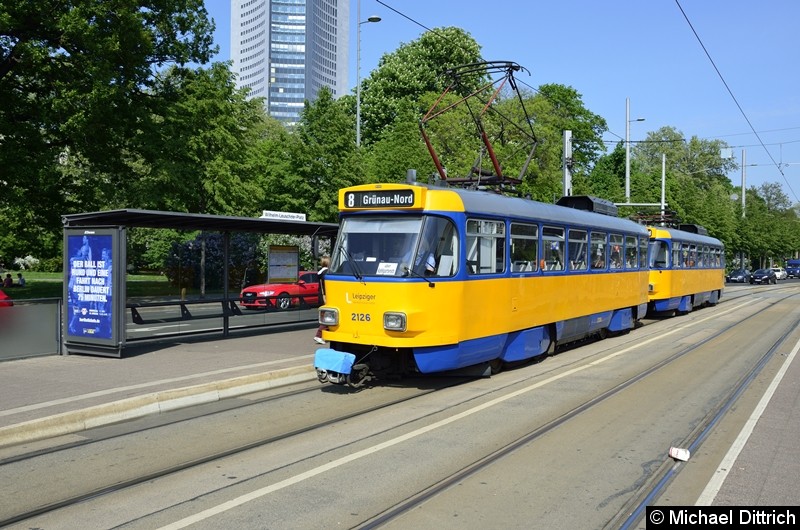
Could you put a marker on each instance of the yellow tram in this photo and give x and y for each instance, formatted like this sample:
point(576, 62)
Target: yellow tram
point(687, 269)
point(427, 279)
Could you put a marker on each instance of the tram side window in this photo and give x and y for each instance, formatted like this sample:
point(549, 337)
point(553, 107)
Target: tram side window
point(631, 252)
point(599, 244)
point(552, 248)
point(577, 249)
point(692, 256)
point(616, 244)
point(677, 261)
point(706, 257)
point(486, 245)
point(524, 247)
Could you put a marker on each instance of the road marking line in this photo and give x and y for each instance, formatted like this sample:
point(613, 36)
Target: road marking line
point(256, 494)
point(715, 484)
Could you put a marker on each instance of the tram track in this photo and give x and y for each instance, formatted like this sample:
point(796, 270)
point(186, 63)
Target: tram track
point(355, 414)
point(633, 512)
point(634, 508)
point(163, 420)
point(47, 507)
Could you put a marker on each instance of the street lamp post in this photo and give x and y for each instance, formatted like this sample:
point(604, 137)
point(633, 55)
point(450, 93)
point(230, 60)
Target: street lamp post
point(358, 70)
point(628, 148)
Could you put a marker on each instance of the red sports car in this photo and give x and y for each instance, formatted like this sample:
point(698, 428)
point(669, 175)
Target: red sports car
point(283, 295)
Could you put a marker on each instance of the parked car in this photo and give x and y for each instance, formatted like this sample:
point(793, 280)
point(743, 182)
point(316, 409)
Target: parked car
point(793, 268)
point(764, 276)
point(738, 276)
point(780, 273)
point(283, 295)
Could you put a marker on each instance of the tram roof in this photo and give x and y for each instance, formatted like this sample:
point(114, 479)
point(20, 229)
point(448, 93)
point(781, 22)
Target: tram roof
point(492, 203)
point(689, 237)
point(196, 221)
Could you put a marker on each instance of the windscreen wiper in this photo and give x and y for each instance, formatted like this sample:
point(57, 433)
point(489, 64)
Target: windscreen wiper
point(418, 275)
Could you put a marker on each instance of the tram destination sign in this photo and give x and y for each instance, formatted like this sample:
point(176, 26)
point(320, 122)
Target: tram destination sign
point(379, 199)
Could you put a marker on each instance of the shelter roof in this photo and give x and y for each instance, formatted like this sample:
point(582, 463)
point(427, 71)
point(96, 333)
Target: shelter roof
point(196, 221)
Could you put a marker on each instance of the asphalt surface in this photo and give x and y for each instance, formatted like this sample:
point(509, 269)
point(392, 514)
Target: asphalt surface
point(51, 396)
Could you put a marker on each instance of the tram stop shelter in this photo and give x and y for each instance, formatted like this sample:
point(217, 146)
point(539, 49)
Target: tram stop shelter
point(94, 291)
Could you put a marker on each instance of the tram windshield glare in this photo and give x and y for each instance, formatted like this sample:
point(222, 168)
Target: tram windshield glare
point(395, 246)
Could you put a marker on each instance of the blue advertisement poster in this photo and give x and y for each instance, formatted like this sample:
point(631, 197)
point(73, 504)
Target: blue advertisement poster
point(89, 281)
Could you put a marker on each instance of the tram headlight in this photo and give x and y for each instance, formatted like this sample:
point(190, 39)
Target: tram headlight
point(394, 321)
point(328, 316)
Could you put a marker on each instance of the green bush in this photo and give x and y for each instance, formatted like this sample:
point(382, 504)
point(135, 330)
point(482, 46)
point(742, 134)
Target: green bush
point(50, 265)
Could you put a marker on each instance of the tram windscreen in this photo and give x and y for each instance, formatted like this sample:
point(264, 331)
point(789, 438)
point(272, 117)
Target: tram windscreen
point(372, 245)
point(392, 246)
point(659, 254)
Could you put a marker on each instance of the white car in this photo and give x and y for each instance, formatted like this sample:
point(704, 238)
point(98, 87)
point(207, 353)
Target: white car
point(780, 272)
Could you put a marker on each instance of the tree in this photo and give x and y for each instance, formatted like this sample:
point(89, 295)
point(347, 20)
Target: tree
point(567, 112)
point(411, 71)
point(606, 177)
point(75, 80)
point(71, 69)
point(777, 228)
point(198, 147)
point(324, 159)
point(274, 161)
point(557, 108)
point(398, 149)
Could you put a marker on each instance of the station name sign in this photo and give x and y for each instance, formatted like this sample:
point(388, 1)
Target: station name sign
point(283, 216)
point(379, 199)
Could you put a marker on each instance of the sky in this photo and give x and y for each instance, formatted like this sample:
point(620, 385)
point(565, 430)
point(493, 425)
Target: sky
point(712, 69)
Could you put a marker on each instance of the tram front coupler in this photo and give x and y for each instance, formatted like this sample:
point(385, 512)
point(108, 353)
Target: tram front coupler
point(339, 368)
point(359, 376)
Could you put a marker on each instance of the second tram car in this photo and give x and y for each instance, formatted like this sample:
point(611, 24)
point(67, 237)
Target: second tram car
point(687, 269)
point(427, 279)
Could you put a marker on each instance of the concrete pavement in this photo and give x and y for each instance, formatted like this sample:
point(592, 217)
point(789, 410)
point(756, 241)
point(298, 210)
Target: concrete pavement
point(55, 395)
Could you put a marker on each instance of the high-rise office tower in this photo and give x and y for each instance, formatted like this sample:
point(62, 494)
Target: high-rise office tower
point(286, 50)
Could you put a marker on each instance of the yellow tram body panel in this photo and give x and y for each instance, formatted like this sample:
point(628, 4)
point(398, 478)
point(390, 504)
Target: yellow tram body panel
point(682, 282)
point(446, 314)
